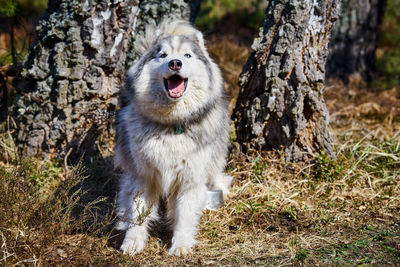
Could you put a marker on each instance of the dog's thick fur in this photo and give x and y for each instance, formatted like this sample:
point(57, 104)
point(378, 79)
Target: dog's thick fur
point(171, 145)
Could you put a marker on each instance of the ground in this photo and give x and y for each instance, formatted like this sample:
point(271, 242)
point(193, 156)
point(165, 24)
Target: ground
point(320, 213)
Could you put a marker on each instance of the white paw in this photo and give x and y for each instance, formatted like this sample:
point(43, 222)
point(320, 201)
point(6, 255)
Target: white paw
point(180, 251)
point(182, 247)
point(133, 243)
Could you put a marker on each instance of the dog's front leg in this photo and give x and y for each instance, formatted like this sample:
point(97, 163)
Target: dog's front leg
point(141, 212)
point(187, 212)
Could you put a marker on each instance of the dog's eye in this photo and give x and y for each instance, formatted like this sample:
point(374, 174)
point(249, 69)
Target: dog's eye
point(188, 55)
point(163, 55)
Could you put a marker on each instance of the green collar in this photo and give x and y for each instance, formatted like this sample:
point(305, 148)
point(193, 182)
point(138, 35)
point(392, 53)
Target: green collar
point(179, 128)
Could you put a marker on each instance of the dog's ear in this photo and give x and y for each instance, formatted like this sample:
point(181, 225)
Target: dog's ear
point(151, 35)
point(158, 34)
point(198, 39)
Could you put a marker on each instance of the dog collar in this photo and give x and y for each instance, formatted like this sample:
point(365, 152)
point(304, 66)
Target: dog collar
point(179, 128)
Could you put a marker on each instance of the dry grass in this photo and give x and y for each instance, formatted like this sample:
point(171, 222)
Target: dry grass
point(44, 204)
point(343, 212)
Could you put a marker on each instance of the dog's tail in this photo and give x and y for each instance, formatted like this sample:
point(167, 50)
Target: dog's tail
point(166, 27)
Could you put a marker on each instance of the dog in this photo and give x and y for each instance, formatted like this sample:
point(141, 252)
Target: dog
point(172, 136)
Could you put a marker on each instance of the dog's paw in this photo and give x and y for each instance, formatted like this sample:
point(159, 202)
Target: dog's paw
point(180, 251)
point(132, 247)
point(182, 246)
point(133, 243)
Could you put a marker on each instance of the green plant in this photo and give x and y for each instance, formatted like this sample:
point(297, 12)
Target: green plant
point(258, 169)
point(302, 254)
point(290, 212)
point(8, 8)
point(327, 169)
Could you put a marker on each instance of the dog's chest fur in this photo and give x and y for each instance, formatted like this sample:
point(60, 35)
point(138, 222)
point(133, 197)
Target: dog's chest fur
point(167, 155)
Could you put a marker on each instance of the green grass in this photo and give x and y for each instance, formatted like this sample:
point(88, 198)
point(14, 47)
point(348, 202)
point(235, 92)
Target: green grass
point(373, 246)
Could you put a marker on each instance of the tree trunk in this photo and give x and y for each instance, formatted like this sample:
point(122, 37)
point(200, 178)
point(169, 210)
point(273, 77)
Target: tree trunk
point(355, 39)
point(67, 92)
point(280, 104)
point(3, 98)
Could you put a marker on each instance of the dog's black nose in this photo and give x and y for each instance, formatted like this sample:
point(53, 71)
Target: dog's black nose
point(175, 64)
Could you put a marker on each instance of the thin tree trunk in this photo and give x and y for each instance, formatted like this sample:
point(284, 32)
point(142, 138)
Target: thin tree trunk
point(68, 89)
point(7, 74)
point(280, 104)
point(194, 10)
point(355, 38)
point(3, 98)
point(12, 43)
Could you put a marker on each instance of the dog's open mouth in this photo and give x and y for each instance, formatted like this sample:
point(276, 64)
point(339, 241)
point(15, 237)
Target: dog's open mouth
point(175, 85)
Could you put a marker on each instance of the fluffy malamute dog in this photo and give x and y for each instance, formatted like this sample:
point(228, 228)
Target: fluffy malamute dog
point(172, 136)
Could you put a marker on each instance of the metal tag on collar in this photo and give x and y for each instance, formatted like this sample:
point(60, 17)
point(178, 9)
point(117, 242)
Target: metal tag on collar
point(179, 128)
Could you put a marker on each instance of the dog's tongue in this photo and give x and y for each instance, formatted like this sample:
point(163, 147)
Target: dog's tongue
point(176, 87)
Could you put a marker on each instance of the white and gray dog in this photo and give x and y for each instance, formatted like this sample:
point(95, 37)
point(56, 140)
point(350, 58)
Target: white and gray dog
point(172, 136)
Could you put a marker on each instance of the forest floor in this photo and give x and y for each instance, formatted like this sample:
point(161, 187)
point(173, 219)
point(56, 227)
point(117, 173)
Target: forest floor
point(321, 213)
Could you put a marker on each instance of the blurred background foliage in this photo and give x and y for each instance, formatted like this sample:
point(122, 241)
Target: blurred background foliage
point(248, 13)
point(9, 8)
point(17, 27)
point(388, 52)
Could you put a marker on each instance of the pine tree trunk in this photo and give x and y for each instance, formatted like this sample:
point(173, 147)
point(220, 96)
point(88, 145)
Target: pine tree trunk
point(355, 39)
point(280, 104)
point(68, 89)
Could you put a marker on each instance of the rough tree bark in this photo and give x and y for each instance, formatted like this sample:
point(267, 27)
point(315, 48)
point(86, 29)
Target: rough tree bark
point(67, 92)
point(280, 104)
point(355, 39)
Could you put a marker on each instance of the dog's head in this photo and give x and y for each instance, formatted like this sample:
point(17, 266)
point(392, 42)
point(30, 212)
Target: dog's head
point(179, 65)
point(175, 78)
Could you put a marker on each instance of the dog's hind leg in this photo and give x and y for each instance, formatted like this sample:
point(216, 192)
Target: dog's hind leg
point(141, 211)
point(186, 213)
point(222, 181)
